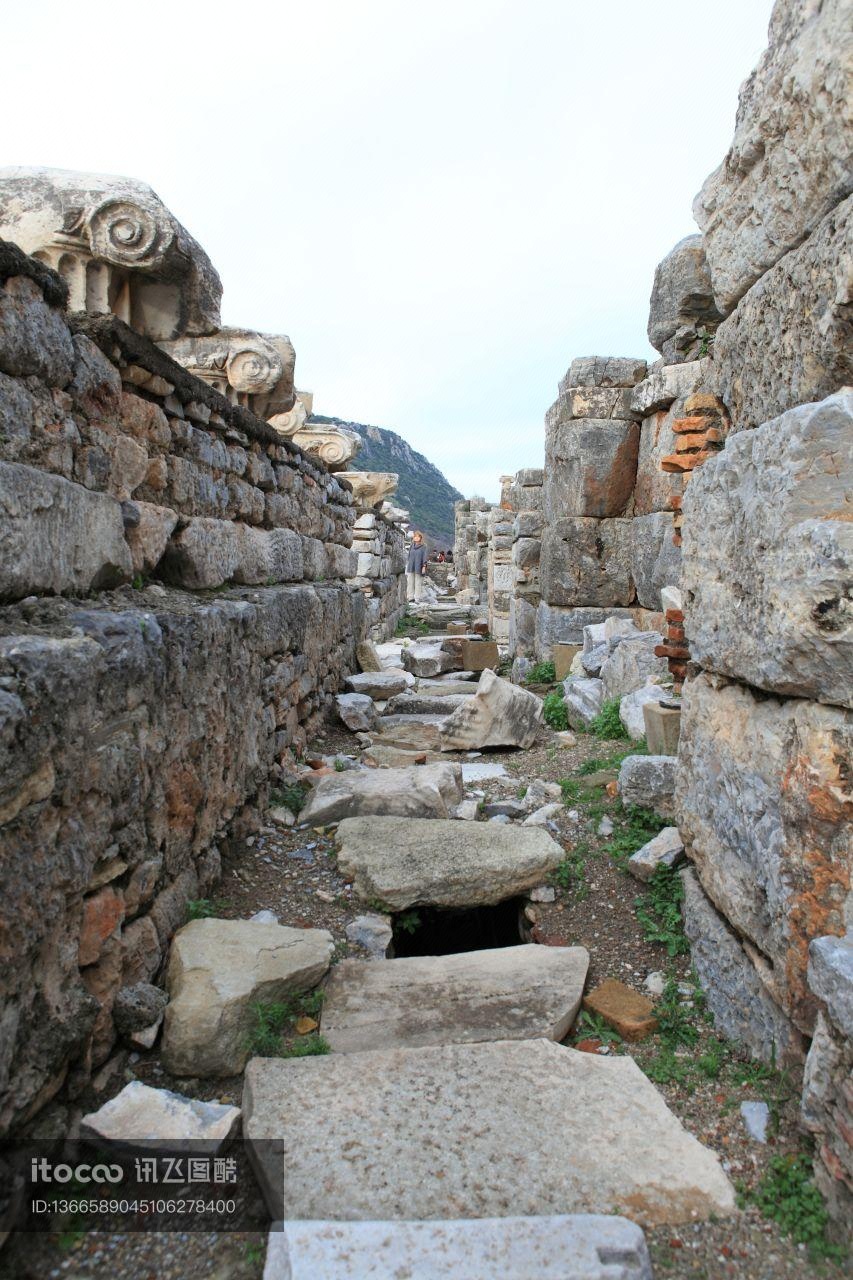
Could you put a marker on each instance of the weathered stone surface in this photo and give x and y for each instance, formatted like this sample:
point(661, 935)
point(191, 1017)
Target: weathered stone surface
point(499, 715)
point(208, 553)
point(444, 688)
point(682, 301)
point(586, 402)
point(407, 862)
point(427, 659)
point(419, 732)
point(217, 970)
point(604, 371)
point(425, 791)
point(508, 993)
point(367, 656)
point(789, 162)
point(357, 711)
point(34, 338)
point(830, 975)
point(632, 664)
point(149, 538)
point(161, 1121)
point(655, 559)
point(769, 602)
point(590, 468)
point(666, 849)
point(569, 1247)
point(427, 704)
point(632, 708)
point(763, 803)
point(583, 699)
point(373, 933)
point(648, 781)
point(380, 685)
point(587, 562)
point(663, 727)
point(555, 625)
point(740, 1002)
point(666, 384)
point(138, 1007)
point(122, 224)
point(626, 1010)
point(789, 340)
point(462, 1116)
point(56, 536)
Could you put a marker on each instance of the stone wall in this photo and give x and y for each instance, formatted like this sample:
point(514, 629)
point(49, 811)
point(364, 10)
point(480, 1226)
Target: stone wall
point(471, 552)
point(380, 571)
point(764, 797)
point(175, 620)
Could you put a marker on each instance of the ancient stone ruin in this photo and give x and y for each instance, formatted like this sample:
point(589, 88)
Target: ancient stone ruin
point(288, 856)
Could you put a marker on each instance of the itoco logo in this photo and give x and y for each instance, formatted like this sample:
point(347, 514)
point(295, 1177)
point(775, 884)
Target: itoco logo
point(43, 1171)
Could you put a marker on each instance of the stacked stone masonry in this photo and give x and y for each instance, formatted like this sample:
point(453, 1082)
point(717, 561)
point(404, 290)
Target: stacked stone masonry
point(176, 618)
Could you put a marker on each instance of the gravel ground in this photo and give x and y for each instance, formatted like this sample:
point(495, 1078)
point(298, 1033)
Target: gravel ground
point(293, 873)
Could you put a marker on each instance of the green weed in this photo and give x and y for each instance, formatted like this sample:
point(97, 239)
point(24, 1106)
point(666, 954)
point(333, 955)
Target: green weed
point(607, 724)
point(291, 797)
point(203, 908)
point(787, 1193)
point(270, 1018)
point(675, 1020)
point(570, 874)
point(409, 921)
point(541, 673)
point(659, 914)
point(592, 1026)
point(554, 710)
point(306, 1047)
point(633, 827)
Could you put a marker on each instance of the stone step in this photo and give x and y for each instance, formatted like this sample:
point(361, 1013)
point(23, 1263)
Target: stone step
point(522, 1127)
point(423, 791)
point(422, 732)
point(566, 1247)
point(406, 862)
point(505, 993)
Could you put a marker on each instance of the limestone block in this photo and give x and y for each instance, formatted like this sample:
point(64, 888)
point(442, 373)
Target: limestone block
point(665, 384)
point(632, 664)
point(788, 341)
point(583, 699)
point(508, 993)
point(76, 219)
point(648, 782)
point(789, 162)
point(663, 726)
point(564, 656)
point(207, 553)
point(342, 561)
point(479, 655)
point(314, 559)
point(654, 486)
point(766, 599)
point(589, 402)
point(161, 1122)
point(566, 626)
point(825, 1111)
point(34, 338)
point(425, 791)
point(357, 711)
point(605, 371)
point(666, 849)
point(682, 301)
point(587, 562)
point(367, 656)
point(149, 538)
point(380, 685)
point(632, 708)
point(462, 1114)
point(830, 975)
point(57, 537)
point(763, 802)
point(567, 1247)
point(591, 465)
point(427, 659)
point(406, 862)
point(528, 524)
point(499, 715)
point(217, 970)
point(655, 559)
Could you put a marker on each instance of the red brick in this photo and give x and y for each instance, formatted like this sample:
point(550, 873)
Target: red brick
point(693, 423)
point(692, 440)
point(622, 1008)
point(671, 651)
point(675, 615)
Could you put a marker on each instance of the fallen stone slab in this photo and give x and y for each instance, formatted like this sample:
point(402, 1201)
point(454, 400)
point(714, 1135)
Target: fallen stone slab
point(422, 791)
point(648, 782)
point(632, 664)
point(162, 1120)
point(367, 656)
point(427, 659)
point(663, 726)
point(421, 732)
point(463, 1119)
point(379, 685)
point(565, 1247)
point(544, 816)
point(474, 771)
point(582, 699)
point(217, 970)
point(507, 993)
point(406, 862)
point(666, 849)
point(387, 756)
point(499, 715)
point(623, 1009)
point(357, 711)
point(423, 704)
point(632, 708)
point(373, 933)
point(444, 687)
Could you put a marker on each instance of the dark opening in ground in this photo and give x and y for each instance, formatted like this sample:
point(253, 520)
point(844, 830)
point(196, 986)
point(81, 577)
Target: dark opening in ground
point(435, 931)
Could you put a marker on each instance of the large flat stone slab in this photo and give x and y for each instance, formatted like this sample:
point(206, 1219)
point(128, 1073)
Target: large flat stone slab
point(157, 1120)
point(423, 791)
point(508, 993)
point(380, 685)
point(478, 1130)
point(566, 1247)
point(407, 862)
point(499, 715)
point(217, 970)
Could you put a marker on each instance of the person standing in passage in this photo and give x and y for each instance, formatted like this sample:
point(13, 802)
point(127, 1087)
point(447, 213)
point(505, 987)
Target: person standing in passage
point(416, 567)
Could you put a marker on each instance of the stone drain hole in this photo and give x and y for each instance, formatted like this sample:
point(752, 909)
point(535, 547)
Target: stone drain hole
point(438, 931)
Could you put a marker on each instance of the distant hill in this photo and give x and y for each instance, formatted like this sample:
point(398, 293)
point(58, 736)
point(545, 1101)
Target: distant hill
point(422, 490)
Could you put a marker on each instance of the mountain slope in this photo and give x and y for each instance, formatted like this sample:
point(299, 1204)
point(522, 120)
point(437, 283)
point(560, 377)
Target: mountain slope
point(422, 490)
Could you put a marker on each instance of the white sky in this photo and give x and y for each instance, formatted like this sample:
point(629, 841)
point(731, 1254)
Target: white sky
point(443, 204)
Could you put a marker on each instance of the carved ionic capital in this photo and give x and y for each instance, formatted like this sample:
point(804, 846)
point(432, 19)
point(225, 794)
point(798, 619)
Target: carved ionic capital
point(335, 446)
point(371, 487)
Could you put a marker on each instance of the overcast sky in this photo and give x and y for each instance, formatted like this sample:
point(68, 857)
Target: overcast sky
point(443, 204)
